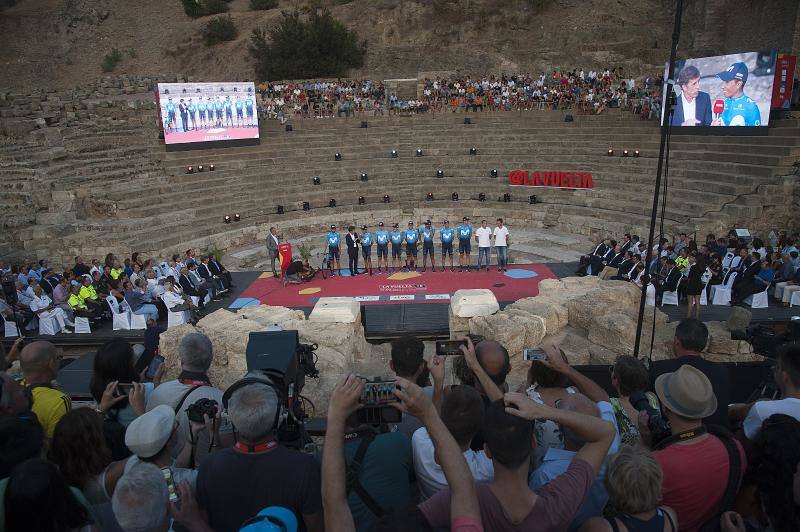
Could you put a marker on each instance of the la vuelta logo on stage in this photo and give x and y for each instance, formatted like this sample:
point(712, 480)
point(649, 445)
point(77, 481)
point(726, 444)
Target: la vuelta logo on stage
point(402, 287)
point(523, 178)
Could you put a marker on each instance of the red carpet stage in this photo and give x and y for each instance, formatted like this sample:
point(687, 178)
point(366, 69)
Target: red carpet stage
point(209, 135)
point(520, 281)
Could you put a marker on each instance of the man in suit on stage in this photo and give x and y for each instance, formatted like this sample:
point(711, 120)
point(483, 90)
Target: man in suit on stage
point(352, 241)
point(694, 106)
point(272, 247)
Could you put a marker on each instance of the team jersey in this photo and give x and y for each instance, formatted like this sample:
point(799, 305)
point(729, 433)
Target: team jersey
point(248, 103)
point(446, 235)
point(382, 237)
point(412, 236)
point(171, 108)
point(397, 238)
point(333, 240)
point(239, 105)
point(201, 107)
point(218, 106)
point(741, 111)
point(366, 240)
point(228, 106)
point(192, 108)
point(427, 234)
point(464, 232)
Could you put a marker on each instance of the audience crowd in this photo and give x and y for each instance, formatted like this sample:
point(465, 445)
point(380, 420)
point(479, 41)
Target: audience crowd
point(586, 91)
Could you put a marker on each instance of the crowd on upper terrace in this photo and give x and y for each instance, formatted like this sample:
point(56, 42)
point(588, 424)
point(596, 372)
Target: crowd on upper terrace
point(586, 91)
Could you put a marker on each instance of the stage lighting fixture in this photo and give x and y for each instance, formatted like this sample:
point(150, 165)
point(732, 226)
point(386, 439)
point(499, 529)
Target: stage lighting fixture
point(364, 176)
point(386, 198)
point(189, 169)
point(624, 153)
point(473, 151)
point(493, 173)
point(211, 167)
point(394, 154)
point(306, 206)
point(506, 197)
point(467, 121)
point(481, 197)
point(337, 156)
point(636, 153)
point(361, 200)
point(610, 152)
point(237, 217)
point(280, 209)
point(200, 168)
point(454, 196)
point(332, 203)
point(227, 219)
point(419, 152)
point(364, 124)
point(532, 199)
point(315, 180)
point(429, 197)
point(439, 173)
point(288, 127)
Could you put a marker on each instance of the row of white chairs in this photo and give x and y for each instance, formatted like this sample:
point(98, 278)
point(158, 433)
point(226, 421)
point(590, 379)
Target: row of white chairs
point(721, 295)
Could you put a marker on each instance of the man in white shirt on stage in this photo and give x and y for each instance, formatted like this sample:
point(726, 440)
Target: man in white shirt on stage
point(43, 307)
point(272, 247)
point(483, 236)
point(501, 242)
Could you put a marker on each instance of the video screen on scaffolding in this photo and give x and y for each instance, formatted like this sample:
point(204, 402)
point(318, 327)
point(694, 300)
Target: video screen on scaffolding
point(208, 112)
point(724, 90)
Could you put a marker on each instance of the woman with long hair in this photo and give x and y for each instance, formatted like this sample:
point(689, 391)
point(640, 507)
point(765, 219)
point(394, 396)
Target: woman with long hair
point(629, 378)
point(694, 283)
point(114, 372)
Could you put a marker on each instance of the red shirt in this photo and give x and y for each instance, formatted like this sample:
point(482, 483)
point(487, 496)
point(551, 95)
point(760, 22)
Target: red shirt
point(695, 476)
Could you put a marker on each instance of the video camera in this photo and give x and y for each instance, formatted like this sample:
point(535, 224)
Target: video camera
point(377, 398)
point(658, 425)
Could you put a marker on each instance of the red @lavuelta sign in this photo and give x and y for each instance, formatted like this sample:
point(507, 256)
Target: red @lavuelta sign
point(523, 178)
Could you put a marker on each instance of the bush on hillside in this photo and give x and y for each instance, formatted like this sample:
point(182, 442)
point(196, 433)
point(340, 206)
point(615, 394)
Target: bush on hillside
point(302, 47)
point(258, 5)
point(110, 60)
point(202, 8)
point(219, 29)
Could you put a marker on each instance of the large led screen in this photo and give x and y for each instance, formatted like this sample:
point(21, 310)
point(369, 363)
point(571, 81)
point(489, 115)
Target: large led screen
point(724, 90)
point(208, 112)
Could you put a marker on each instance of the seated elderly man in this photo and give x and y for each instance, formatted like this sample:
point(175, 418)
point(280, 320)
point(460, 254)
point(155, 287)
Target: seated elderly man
point(43, 307)
point(175, 301)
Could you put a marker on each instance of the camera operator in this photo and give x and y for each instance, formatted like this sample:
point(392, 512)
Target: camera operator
point(196, 354)
point(691, 337)
point(235, 484)
point(697, 461)
point(787, 379)
point(407, 362)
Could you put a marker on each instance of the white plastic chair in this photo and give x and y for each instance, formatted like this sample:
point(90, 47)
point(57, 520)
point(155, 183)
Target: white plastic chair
point(11, 328)
point(726, 262)
point(704, 295)
point(759, 300)
point(82, 325)
point(47, 326)
point(669, 298)
point(721, 293)
point(651, 295)
point(795, 298)
point(138, 321)
point(176, 318)
point(122, 318)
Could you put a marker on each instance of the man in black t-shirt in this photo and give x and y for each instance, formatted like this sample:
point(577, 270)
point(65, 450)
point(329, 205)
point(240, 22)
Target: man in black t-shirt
point(691, 337)
point(235, 484)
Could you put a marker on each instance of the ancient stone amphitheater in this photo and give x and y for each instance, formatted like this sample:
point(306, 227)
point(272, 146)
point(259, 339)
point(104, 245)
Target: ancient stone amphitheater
point(85, 173)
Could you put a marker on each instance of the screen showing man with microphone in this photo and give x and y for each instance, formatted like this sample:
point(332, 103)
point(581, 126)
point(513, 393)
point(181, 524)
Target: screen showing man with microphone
point(724, 91)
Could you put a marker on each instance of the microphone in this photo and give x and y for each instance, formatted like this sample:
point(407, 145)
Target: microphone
point(719, 106)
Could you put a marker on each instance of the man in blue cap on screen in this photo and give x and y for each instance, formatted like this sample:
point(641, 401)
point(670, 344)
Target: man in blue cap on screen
point(740, 109)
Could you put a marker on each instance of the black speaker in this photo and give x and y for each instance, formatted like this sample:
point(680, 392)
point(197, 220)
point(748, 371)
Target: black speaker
point(569, 118)
point(467, 120)
point(364, 124)
point(10, 292)
point(275, 354)
point(288, 127)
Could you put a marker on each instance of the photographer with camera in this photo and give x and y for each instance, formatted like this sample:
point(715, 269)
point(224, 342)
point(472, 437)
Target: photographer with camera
point(235, 484)
point(702, 465)
point(691, 337)
point(463, 514)
point(193, 387)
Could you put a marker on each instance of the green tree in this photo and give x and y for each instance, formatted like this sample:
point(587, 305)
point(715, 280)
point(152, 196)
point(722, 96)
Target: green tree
point(305, 46)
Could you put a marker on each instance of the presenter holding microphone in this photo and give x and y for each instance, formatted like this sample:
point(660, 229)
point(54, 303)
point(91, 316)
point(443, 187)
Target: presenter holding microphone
point(353, 242)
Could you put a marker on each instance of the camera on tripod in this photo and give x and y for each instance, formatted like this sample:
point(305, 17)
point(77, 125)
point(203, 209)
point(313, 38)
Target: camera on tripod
point(657, 424)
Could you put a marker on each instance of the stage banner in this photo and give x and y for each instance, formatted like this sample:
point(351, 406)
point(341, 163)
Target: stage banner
point(574, 180)
point(784, 79)
point(284, 255)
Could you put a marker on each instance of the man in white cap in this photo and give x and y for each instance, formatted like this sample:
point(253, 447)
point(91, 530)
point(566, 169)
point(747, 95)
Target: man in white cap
point(151, 438)
point(696, 459)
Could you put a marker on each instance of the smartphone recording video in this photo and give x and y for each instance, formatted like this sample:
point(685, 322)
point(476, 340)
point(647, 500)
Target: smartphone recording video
point(533, 354)
point(449, 347)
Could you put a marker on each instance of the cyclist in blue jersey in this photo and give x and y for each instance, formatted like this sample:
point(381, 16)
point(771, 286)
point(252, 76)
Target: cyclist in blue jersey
point(464, 232)
point(249, 106)
point(382, 241)
point(447, 235)
point(396, 237)
point(170, 114)
point(192, 113)
point(239, 104)
point(218, 112)
point(201, 111)
point(740, 110)
point(366, 248)
point(228, 111)
point(332, 241)
point(412, 238)
point(427, 233)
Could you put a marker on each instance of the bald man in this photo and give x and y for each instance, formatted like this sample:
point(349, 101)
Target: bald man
point(39, 365)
